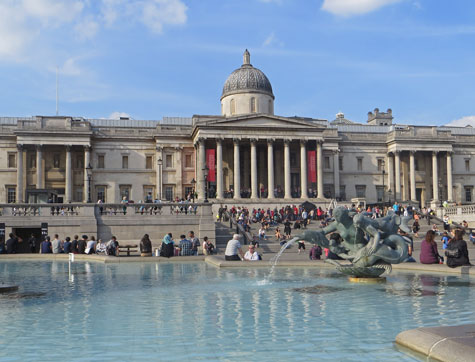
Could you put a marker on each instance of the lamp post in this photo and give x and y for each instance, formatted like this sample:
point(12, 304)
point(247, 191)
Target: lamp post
point(205, 173)
point(159, 186)
point(89, 177)
point(193, 184)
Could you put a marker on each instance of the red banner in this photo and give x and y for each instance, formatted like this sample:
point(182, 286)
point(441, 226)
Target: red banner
point(311, 167)
point(210, 162)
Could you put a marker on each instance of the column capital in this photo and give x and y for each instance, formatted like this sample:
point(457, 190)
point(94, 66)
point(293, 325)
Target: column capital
point(270, 141)
point(335, 152)
point(397, 153)
point(159, 148)
point(412, 152)
point(450, 153)
point(20, 147)
point(219, 140)
point(319, 142)
point(434, 153)
point(236, 141)
point(253, 140)
point(287, 141)
point(303, 142)
point(87, 148)
point(178, 148)
point(39, 147)
point(68, 148)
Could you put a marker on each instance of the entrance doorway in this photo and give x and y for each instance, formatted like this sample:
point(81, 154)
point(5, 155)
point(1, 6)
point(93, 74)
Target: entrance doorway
point(25, 234)
point(419, 195)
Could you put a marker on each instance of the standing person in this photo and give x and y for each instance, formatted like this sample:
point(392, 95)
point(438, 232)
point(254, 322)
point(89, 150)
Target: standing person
point(429, 253)
point(11, 244)
point(45, 246)
point(287, 228)
point(145, 246)
point(301, 245)
point(82, 244)
point(415, 228)
point(446, 221)
point(56, 245)
point(195, 242)
point(232, 249)
point(91, 246)
point(32, 242)
point(457, 252)
point(67, 245)
point(445, 240)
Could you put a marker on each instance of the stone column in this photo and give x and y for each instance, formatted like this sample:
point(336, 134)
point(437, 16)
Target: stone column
point(450, 189)
point(412, 175)
point(397, 161)
point(219, 168)
point(87, 161)
point(201, 166)
point(270, 169)
point(435, 177)
point(179, 171)
point(336, 173)
point(237, 171)
point(254, 191)
point(390, 165)
point(39, 168)
point(287, 188)
point(303, 170)
point(319, 170)
point(19, 175)
point(69, 176)
point(158, 172)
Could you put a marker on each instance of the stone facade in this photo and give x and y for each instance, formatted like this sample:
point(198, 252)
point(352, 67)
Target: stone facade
point(250, 153)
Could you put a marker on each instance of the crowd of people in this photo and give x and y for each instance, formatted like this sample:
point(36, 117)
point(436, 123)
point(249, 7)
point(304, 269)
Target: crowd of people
point(186, 246)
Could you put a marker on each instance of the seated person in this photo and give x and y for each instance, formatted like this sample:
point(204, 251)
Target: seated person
point(208, 247)
point(112, 247)
point(101, 247)
point(67, 245)
point(233, 248)
point(472, 236)
point(457, 252)
point(185, 246)
point(168, 246)
point(46, 247)
point(145, 246)
point(251, 254)
point(262, 233)
point(445, 240)
point(278, 234)
point(315, 252)
point(91, 246)
point(429, 253)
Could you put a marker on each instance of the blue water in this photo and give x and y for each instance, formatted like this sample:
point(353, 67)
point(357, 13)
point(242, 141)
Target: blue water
point(197, 312)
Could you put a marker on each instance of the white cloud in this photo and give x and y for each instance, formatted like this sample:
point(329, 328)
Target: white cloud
point(86, 29)
point(272, 40)
point(118, 115)
point(156, 14)
point(354, 7)
point(463, 122)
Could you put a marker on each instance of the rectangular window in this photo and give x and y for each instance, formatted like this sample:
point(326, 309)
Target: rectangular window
point(293, 159)
point(11, 194)
point(360, 191)
point(340, 163)
point(125, 192)
point(168, 161)
point(380, 164)
point(169, 193)
point(11, 160)
point(148, 162)
point(328, 191)
point(380, 193)
point(326, 161)
point(79, 161)
point(359, 164)
point(100, 161)
point(56, 160)
point(148, 192)
point(188, 163)
point(189, 191)
point(79, 195)
point(342, 193)
point(125, 162)
point(31, 161)
point(467, 164)
point(101, 193)
point(468, 193)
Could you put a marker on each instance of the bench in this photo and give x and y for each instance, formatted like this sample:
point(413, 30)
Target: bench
point(128, 249)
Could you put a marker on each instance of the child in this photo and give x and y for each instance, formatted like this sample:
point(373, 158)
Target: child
point(445, 240)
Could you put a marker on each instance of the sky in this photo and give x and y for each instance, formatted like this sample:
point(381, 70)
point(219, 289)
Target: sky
point(150, 59)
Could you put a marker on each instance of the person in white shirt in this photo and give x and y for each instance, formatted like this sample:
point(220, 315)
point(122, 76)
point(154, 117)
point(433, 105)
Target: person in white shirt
point(233, 248)
point(262, 233)
point(251, 254)
point(91, 246)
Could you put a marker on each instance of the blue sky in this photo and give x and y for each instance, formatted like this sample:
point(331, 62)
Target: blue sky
point(155, 58)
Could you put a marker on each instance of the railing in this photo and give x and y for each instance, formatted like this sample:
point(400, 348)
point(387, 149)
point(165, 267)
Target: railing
point(459, 210)
point(77, 209)
point(247, 235)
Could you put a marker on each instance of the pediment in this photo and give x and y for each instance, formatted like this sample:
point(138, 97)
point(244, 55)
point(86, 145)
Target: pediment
point(262, 121)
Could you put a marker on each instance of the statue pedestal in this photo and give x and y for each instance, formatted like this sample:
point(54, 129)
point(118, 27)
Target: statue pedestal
point(367, 280)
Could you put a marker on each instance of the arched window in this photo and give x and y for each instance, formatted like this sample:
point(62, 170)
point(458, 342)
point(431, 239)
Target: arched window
point(253, 105)
point(233, 106)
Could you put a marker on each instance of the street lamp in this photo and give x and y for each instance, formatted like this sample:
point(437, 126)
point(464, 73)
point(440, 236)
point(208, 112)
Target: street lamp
point(193, 184)
point(89, 177)
point(205, 173)
point(159, 164)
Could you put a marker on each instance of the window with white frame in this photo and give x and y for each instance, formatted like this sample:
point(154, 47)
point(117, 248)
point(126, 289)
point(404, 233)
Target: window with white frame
point(359, 163)
point(11, 194)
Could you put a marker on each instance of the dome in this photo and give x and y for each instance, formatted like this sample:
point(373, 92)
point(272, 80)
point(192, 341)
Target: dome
point(247, 79)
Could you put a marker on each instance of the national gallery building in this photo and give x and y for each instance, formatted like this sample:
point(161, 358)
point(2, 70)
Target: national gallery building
point(247, 152)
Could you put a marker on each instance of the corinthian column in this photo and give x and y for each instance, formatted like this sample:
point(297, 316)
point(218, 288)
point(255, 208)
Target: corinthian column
point(412, 175)
point(303, 170)
point(450, 190)
point(253, 169)
point(336, 173)
point(201, 166)
point(87, 161)
point(270, 169)
point(39, 168)
point(435, 178)
point(319, 170)
point(237, 175)
point(287, 188)
point(219, 168)
point(19, 175)
point(69, 175)
point(397, 161)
